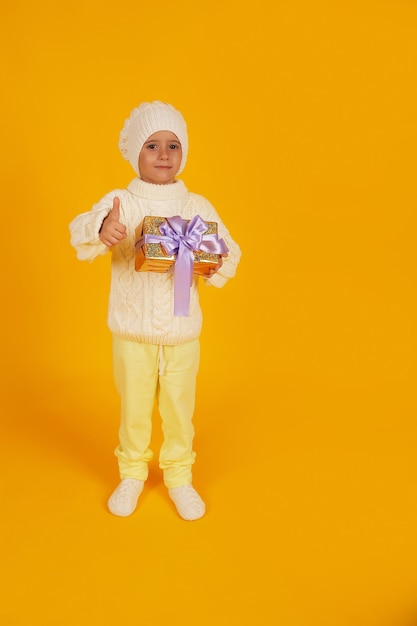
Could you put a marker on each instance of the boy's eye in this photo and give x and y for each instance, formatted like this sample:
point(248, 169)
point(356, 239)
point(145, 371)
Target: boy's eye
point(152, 146)
point(174, 146)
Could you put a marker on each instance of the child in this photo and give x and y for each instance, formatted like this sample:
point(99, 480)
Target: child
point(155, 353)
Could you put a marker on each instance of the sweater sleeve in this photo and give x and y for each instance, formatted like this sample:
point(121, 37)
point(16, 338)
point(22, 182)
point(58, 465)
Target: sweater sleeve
point(85, 229)
point(230, 263)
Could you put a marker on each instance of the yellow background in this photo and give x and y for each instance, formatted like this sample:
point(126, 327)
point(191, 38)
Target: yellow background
point(302, 127)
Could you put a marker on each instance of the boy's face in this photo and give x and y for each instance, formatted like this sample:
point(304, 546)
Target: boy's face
point(160, 158)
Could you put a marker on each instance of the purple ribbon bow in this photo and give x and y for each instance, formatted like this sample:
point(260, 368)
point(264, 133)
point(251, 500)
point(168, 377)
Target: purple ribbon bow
point(182, 238)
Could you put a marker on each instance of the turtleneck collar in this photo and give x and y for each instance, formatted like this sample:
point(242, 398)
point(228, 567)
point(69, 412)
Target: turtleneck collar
point(157, 192)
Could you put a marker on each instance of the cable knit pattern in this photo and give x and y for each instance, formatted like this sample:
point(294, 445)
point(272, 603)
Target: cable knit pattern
point(141, 304)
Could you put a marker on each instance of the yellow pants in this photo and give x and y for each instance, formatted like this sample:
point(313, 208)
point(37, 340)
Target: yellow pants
point(145, 373)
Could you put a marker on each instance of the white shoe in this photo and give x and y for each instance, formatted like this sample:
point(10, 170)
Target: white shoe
point(189, 504)
point(124, 499)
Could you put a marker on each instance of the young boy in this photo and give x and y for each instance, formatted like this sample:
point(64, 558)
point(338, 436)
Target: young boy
point(155, 352)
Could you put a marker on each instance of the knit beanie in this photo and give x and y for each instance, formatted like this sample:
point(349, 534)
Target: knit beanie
point(149, 118)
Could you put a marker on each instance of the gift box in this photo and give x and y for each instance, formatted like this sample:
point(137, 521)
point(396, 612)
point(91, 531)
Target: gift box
point(186, 246)
point(151, 256)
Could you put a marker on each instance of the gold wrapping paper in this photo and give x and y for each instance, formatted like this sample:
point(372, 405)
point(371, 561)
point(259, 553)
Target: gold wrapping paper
point(151, 257)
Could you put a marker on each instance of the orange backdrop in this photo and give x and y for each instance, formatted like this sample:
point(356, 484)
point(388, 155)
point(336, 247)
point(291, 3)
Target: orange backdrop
point(302, 131)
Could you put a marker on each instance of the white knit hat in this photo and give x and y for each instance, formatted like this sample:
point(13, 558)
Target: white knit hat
point(149, 118)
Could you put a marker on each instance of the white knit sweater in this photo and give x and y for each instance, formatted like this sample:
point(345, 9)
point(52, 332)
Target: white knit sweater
point(141, 304)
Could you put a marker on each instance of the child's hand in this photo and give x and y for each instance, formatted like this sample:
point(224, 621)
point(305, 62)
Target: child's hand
point(112, 231)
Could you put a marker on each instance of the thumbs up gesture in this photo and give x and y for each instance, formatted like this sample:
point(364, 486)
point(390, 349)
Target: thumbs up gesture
point(112, 231)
